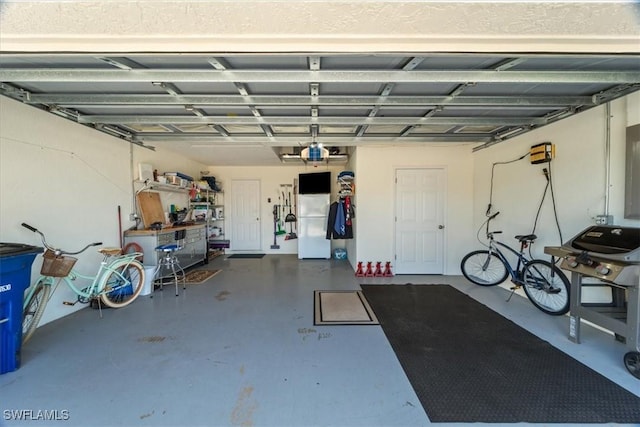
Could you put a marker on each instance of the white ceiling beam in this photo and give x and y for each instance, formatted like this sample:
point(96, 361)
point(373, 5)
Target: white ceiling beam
point(170, 88)
point(508, 63)
point(413, 63)
point(340, 121)
point(221, 130)
point(314, 63)
point(121, 63)
point(321, 76)
point(294, 141)
point(297, 100)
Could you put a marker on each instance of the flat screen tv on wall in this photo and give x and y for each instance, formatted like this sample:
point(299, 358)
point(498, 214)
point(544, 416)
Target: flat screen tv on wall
point(314, 183)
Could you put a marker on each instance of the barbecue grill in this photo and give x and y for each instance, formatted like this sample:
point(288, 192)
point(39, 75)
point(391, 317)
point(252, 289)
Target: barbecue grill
point(612, 255)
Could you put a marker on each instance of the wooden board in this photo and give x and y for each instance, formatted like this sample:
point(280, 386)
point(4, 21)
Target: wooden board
point(150, 208)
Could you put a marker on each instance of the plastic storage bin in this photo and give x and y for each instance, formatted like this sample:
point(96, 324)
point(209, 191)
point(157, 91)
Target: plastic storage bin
point(339, 253)
point(15, 276)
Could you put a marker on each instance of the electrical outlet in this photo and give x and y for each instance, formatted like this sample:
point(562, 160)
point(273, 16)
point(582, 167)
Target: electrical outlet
point(604, 219)
point(133, 216)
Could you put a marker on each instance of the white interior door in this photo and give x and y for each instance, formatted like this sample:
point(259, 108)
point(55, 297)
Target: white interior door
point(245, 215)
point(419, 228)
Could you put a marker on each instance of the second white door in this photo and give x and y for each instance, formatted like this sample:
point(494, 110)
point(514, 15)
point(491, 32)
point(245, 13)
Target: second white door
point(419, 231)
point(245, 215)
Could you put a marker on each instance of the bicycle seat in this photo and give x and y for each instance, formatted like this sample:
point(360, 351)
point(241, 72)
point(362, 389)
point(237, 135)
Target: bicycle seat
point(110, 251)
point(526, 238)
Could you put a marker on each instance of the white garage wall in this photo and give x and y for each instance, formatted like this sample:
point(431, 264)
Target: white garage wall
point(578, 174)
point(633, 109)
point(375, 198)
point(351, 245)
point(270, 178)
point(66, 180)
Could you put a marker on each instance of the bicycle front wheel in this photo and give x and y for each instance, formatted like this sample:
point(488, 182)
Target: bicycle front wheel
point(546, 287)
point(33, 309)
point(484, 268)
point(122, 283)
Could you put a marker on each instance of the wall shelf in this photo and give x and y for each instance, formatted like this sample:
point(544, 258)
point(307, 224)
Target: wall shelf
point(158, 186)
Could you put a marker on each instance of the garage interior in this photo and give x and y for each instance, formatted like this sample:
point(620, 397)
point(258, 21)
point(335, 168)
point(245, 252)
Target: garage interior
point(96, 90)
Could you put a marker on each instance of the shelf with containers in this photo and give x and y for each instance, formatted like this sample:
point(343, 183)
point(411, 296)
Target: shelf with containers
point(208, 208)
point(172, 207)
point(176, 226)
point(218, 241)
point(346, 184)
point(159, 186)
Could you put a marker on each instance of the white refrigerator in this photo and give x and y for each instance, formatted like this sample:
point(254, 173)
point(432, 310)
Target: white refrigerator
point(313, 212)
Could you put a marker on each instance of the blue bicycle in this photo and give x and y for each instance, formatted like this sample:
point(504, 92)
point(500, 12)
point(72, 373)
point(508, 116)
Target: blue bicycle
point(544, 283)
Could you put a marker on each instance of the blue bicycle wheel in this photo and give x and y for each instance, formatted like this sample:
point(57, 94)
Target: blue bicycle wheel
point(546, 287)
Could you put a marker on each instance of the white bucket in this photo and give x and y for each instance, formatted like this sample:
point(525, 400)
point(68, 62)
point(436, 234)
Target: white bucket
point(147, 289)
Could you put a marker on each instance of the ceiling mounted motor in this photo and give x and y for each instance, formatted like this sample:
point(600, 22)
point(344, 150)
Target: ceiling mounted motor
point(314, 153)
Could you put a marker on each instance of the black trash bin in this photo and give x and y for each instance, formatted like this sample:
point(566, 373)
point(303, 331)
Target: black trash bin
point(15, 276)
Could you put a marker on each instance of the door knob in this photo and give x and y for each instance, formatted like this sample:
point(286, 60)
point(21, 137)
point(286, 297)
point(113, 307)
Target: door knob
point(440, 227)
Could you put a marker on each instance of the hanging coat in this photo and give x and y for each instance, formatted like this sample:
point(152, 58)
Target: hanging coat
point(337, 227)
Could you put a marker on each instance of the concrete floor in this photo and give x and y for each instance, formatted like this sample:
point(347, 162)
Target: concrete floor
point(241, 350)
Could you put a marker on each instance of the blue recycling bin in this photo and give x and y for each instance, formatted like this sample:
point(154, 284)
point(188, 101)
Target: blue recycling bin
point(15, 276)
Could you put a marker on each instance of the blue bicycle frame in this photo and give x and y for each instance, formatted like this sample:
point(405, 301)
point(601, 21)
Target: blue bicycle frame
point(516, 275)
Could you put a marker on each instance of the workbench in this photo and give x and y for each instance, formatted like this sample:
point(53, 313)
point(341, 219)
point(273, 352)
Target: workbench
point(194, 245)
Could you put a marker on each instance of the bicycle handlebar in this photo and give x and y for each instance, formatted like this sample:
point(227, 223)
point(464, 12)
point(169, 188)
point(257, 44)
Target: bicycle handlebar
point(25, 225)
point(490, 234)
point(51, 248)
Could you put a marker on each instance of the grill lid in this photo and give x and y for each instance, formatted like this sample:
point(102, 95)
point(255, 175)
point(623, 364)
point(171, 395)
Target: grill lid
point(614, 242)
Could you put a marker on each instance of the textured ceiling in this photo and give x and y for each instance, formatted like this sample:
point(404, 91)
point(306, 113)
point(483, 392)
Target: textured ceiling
point(319, 26)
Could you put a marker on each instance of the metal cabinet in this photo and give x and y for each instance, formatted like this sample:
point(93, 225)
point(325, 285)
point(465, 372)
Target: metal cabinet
point(194, 248)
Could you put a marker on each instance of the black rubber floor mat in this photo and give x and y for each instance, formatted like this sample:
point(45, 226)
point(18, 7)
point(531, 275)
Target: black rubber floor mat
point(467, 363)
point(246, 256)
